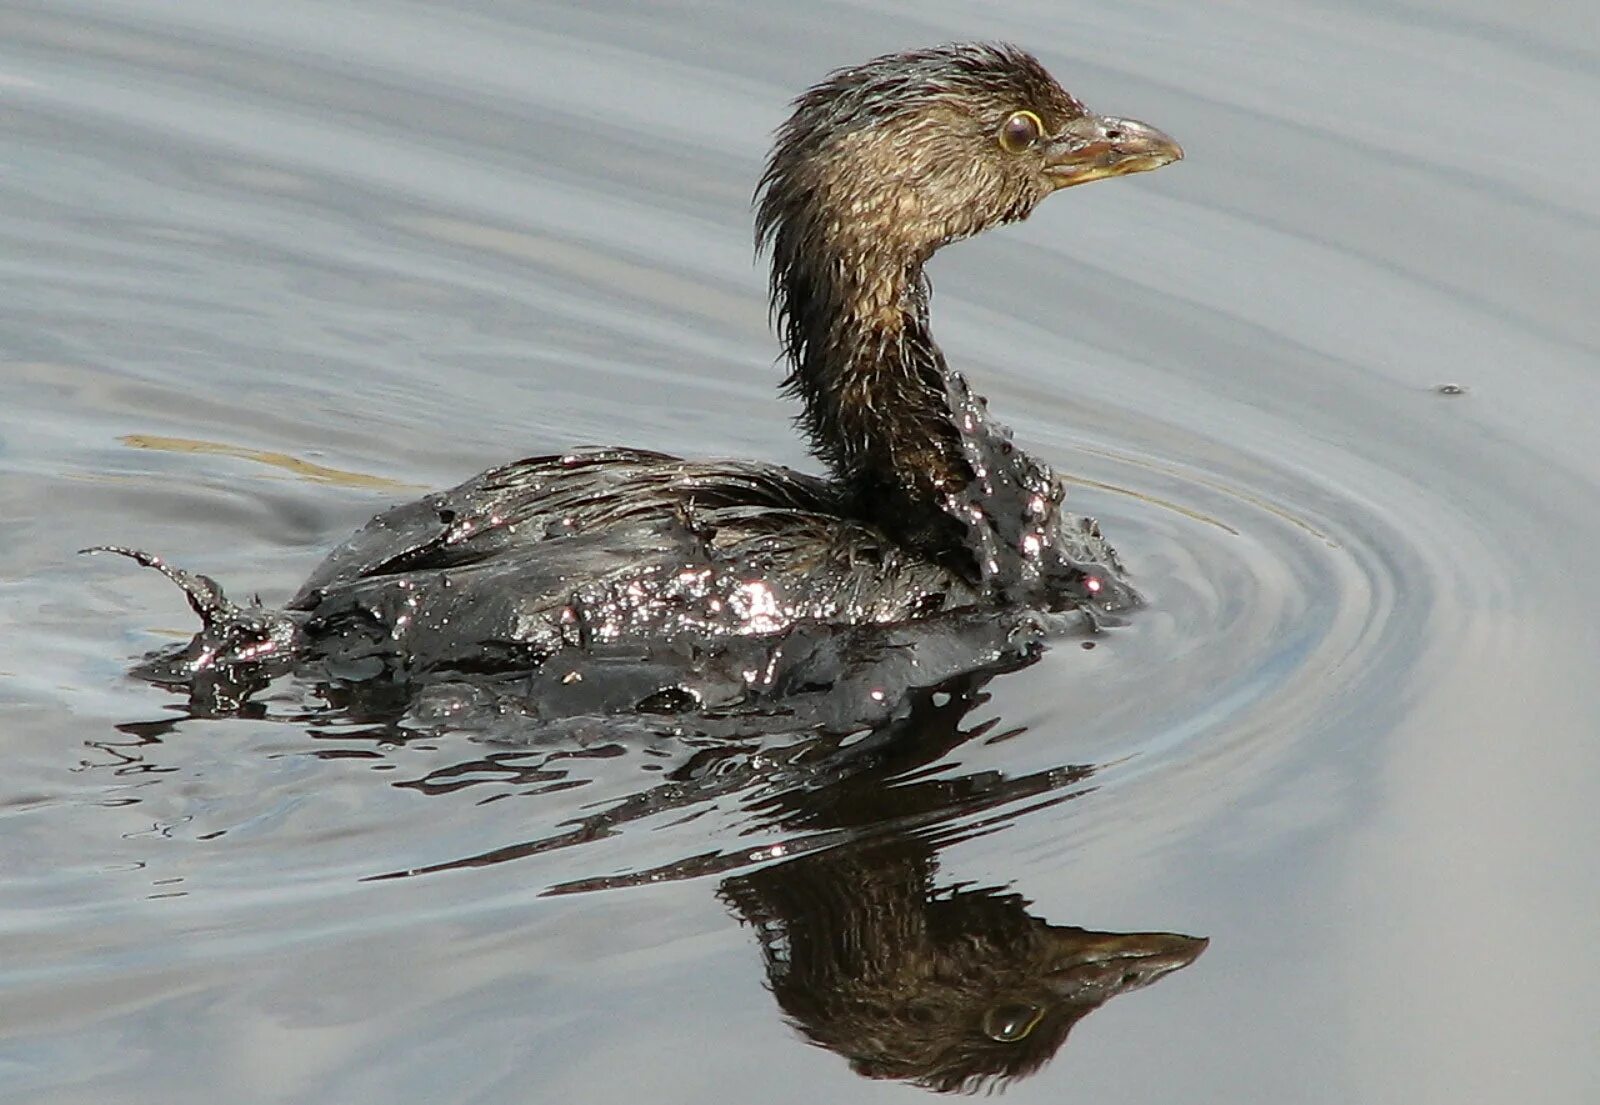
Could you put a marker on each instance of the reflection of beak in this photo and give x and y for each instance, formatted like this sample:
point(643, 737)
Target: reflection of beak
point(1096, 965)
point(1097, 146)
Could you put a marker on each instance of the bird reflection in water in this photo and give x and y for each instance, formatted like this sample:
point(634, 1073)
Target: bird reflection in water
point(948, 987)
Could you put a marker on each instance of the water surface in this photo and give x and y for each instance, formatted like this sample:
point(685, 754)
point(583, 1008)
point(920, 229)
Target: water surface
point(265, 269)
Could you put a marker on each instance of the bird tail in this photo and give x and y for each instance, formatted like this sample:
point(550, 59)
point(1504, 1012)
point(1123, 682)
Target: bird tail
point(239, 647)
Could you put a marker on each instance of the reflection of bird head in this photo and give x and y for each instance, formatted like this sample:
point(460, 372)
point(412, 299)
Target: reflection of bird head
point(986, 1007)
point(949, 991)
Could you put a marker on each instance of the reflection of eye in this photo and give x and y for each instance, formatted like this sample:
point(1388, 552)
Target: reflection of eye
point(1020, 131)
point(1011, 1022)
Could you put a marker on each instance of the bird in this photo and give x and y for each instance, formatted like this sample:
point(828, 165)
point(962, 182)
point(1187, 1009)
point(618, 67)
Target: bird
point(927, 505)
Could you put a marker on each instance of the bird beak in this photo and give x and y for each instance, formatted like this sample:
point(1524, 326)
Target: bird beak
point(1099, 965)
point(1093, 147)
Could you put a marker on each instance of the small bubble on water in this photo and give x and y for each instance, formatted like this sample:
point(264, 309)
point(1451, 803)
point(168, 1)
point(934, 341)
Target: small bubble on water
point(1450, 389)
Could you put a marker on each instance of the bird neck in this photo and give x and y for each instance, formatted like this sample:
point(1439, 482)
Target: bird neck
point(876, 392)
point(911, 443)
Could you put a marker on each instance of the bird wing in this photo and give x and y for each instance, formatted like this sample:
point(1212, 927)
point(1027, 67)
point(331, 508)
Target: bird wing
point(541, 499)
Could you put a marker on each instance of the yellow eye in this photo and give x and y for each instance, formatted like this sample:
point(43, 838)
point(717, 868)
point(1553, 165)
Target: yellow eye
point(1020, 131)
point(1009, 1023)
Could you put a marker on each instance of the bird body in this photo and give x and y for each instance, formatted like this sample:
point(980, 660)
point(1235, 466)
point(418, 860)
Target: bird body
point(606, 545)
point(929, 506)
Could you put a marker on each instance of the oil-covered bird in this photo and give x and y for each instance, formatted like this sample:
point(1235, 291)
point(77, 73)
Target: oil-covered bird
point(927, 505)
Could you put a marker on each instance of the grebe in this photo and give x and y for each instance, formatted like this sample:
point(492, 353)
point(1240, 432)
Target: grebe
point(928, 508)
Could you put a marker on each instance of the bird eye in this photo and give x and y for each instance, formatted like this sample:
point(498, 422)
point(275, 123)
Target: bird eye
point(1020, 131)
point(1011, 1022)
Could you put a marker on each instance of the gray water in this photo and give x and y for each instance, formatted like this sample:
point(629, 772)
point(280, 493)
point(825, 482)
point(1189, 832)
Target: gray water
point(267, 268)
